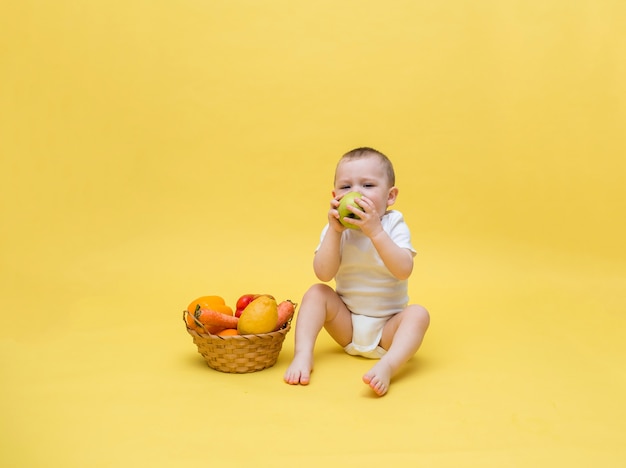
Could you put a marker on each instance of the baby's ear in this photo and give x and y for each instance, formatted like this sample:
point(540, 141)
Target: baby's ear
point(393, 194)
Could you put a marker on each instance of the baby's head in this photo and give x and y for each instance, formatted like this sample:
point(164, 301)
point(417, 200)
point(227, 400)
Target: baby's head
point(366, 152)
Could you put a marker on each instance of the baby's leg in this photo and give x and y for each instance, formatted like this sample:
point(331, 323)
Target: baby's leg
point(321, 307)
point(402, 337)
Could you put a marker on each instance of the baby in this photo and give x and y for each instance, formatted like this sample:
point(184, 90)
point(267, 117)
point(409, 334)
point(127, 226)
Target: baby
point(368, 313)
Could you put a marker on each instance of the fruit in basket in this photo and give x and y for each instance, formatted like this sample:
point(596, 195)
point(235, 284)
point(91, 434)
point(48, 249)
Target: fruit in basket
point(344, 212)
point(243, 302)
point(260, 316)
point(216, 303)
point(209, 314)
point(228, 332)
point(285, 311)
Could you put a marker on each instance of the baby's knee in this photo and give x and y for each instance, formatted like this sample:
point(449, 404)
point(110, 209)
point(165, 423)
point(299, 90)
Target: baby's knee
point(319, 290)
point(420, 314)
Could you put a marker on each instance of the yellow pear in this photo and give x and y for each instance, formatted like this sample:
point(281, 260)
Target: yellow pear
point(260, 316)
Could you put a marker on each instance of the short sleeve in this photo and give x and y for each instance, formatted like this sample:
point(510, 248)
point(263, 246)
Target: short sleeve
point(398, 230)
point(324, 231)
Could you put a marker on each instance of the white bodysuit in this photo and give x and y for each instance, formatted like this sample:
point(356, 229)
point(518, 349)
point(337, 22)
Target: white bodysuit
point(366, 286)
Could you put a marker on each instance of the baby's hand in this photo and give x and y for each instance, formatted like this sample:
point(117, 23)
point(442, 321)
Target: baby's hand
point(369, 218)
point(333, 216)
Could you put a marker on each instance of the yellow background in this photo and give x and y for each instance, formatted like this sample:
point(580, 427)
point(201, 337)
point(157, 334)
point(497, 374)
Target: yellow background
point(152, 152)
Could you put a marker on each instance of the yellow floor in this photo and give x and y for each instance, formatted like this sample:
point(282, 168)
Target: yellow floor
point(156, 152)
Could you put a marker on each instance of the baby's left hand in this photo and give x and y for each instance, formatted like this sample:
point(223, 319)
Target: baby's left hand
point(369, 218)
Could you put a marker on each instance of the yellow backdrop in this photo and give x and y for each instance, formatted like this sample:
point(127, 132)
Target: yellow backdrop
point(153, 152)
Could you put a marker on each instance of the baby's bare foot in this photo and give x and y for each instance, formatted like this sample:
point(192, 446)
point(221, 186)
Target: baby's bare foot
point(378, 378)
point(299, 371)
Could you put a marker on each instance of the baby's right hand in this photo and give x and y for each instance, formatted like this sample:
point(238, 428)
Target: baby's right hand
point(333, 216)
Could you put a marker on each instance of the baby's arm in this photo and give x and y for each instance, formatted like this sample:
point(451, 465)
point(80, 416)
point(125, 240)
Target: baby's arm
point(398, 260)
point(327, 257)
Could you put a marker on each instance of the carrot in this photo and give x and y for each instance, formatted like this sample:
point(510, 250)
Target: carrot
point(211, 321)
point(286, 310)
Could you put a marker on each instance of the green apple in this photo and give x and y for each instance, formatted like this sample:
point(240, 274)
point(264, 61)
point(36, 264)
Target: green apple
point(348, 200)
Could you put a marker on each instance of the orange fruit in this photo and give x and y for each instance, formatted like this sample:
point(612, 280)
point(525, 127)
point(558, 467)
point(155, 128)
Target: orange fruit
point(210, 302)
point(223, 308)
point(228, 332)
point(215, 303)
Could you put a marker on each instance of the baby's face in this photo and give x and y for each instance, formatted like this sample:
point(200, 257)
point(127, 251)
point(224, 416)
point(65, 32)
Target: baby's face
point(367, 176)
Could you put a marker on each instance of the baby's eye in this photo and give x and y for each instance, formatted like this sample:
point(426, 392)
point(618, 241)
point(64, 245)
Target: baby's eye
point(344, 187)
point(368, 185)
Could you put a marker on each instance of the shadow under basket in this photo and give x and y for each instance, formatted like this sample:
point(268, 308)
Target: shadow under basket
point(240, 354)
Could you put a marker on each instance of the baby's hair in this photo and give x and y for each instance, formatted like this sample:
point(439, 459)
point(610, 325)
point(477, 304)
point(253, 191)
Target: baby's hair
point(365, 151)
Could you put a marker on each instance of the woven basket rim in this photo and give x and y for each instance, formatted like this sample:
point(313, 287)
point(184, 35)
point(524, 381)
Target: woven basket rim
point(248, 336)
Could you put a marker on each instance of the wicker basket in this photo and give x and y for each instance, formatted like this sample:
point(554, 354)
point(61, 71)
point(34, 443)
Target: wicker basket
point(240, 354)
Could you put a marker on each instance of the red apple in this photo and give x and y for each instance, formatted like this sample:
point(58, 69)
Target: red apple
point(243, 302)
